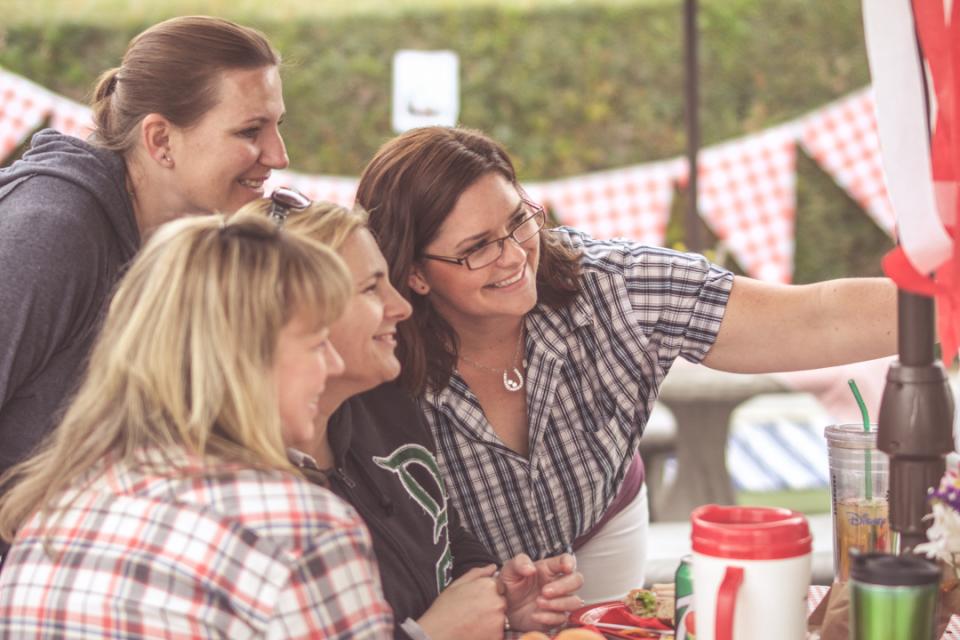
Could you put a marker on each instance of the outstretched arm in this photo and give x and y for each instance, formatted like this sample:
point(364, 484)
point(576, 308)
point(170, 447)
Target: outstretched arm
point(773, 327)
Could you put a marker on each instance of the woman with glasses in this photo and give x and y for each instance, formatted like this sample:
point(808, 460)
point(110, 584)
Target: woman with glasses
point(188, 123)
point(537, 354)
point(164, 504)
point(372, 448)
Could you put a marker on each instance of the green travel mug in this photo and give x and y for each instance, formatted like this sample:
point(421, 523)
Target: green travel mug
point(893, 597)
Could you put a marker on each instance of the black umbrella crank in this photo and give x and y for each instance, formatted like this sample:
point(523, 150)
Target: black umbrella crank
point(916, 420)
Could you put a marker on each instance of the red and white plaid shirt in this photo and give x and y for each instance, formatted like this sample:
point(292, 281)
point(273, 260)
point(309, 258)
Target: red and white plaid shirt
point(218, 552)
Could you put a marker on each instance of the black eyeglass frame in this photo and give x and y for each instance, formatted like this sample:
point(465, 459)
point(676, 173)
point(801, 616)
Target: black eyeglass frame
point(464, 261)
point(285, 199)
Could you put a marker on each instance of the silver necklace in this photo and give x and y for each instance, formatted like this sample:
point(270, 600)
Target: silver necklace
point(512, 380)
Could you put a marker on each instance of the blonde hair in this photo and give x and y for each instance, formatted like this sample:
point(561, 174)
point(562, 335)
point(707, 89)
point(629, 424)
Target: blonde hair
point(185, 355)
point(322, 221)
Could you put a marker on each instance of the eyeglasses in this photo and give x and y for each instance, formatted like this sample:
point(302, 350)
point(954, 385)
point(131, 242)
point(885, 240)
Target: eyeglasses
point(283, 199)
point(489, 252)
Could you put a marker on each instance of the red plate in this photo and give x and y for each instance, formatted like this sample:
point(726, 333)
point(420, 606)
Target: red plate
point(615, 612)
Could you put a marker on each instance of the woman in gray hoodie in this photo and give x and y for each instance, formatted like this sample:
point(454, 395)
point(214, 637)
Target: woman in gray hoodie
point(188, 123)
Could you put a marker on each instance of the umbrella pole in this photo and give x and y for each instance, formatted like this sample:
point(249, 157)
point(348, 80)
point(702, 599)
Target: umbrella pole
point(916, 412)
point(916, 420)
point(691, 100)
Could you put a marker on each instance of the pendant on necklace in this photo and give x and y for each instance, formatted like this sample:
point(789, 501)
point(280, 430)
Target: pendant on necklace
point(511, 384)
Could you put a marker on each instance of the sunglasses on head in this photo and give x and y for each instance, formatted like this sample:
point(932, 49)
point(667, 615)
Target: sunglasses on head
point(285, 199)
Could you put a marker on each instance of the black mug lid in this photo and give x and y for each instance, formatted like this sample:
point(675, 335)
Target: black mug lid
point(892, 570)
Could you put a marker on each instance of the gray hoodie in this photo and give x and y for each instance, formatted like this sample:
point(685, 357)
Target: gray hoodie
point(67, 231)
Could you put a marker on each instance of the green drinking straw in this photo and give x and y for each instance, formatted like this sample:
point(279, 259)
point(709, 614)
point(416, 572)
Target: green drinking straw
point(866, 428)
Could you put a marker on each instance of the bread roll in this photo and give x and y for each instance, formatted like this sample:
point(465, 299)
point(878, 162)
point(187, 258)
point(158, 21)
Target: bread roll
point(578, 634)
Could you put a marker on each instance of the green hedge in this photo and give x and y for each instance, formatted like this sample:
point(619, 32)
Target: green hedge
point(568, 88)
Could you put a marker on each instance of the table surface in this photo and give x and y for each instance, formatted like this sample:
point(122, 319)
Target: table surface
point(815, 594)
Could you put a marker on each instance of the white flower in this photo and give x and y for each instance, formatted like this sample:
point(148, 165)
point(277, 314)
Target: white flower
point(944, 534)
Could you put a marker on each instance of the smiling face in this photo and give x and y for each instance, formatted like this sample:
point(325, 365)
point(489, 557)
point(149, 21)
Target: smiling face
point(488, 209)
point(303, 361)
point(221, 162)
point(366, 333)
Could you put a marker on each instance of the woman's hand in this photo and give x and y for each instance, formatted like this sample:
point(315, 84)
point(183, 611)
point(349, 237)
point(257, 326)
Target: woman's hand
point(540, 594)
point(471, 607)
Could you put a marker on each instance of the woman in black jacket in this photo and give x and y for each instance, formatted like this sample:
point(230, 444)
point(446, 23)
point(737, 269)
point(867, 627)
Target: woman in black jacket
point(373, 449)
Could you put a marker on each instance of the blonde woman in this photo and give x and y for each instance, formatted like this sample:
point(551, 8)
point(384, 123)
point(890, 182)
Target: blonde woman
point(372, 448)
point(164, 503)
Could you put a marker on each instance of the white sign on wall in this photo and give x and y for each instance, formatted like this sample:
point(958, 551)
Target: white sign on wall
point(426, 89)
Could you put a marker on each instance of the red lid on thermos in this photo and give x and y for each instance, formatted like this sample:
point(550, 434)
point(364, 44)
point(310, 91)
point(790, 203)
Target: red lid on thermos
point(750, 533)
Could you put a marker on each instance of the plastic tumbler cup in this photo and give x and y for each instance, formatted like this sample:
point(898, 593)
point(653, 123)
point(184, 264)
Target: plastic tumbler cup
point(859, 479)
point(893, 597)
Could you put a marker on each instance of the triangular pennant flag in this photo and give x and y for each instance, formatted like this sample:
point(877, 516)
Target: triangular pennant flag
point(23, 106)
point(632, 203)
point(842, 138)
point(71, 118)
point(748, 198)
point(337, 189)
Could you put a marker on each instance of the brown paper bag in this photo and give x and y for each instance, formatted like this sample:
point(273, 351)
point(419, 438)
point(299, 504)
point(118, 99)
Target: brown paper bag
point(832, 616)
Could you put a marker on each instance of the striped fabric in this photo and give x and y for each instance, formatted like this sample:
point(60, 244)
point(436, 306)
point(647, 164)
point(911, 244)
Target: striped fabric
point(195, 553)
point(776, 443)
point(778, 454)
point(592, 377)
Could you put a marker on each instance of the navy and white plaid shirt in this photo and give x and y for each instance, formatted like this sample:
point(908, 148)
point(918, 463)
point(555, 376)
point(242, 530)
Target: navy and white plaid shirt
point(593, 373)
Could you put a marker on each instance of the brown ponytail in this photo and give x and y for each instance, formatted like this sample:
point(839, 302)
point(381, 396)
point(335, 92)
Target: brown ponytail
point(173, 68)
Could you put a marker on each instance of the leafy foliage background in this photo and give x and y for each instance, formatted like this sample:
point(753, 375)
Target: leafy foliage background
point(568, 87)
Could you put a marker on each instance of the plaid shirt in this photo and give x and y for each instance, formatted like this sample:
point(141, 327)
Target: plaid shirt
point(593, 374)
point(227, 552)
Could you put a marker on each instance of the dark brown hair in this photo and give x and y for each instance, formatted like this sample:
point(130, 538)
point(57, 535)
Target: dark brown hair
point(410, 187)
point(174, 69)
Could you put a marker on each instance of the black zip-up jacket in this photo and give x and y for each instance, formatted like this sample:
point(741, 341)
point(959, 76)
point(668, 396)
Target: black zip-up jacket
point(386, 468)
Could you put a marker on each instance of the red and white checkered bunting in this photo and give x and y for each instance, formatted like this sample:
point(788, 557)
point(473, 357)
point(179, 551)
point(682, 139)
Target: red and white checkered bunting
point(842, 138)
point(748, 198)
point(747, 186)
point(71, 118)
point(631, 203)
point(341, 190)
point(23, 106)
